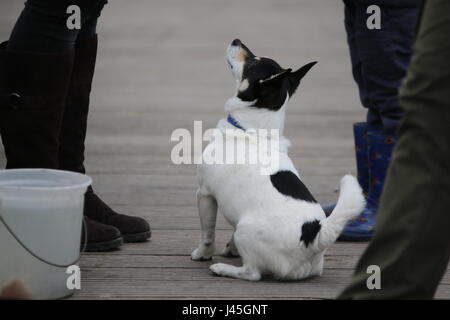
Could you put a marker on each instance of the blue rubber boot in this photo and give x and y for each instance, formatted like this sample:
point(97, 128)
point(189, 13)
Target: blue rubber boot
point(362, 161)
point(380, 149)
point(362, 155)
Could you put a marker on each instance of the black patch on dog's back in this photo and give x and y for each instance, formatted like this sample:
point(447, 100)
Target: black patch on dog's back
point(310, 231)
point(287, 183)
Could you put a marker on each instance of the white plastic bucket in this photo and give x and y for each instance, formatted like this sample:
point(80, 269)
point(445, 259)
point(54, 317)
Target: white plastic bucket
point(41, 215)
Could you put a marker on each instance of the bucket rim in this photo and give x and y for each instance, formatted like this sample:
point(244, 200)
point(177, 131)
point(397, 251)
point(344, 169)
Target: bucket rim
point(81, 184)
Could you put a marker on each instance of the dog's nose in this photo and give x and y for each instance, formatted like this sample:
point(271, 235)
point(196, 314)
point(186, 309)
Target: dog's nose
point(236, 42)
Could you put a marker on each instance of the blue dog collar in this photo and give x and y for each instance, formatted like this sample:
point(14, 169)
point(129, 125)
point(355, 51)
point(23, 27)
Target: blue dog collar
point(234, 122)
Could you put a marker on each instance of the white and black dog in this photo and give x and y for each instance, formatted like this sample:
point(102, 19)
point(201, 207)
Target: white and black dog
point(279, 228)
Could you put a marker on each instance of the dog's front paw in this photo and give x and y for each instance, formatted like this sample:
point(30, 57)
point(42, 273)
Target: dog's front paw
point(203, 253)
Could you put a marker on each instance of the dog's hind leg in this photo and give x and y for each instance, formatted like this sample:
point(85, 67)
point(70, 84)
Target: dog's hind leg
point(207, 209)
point(227, 270)
point(243, 238)
point(230, 249)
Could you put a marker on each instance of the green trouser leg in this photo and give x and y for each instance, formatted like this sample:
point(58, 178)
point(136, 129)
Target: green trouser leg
point(412, 241)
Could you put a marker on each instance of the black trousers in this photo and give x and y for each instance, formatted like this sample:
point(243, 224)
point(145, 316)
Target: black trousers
point(42, 25)
point(380, 57)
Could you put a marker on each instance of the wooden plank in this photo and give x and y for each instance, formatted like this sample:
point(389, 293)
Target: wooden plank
point(183, 242)
point(199, 289)
point(162, 190)
point(195, 274)
point(299, 125)
point(93, 261)
point(219, 288)
point(161, 261)
point(159, 164)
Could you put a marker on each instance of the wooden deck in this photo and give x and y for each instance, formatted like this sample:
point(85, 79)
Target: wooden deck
point(160, 67)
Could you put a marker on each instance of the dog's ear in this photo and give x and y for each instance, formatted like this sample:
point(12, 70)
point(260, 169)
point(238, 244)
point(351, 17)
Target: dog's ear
point(273, 90)
point(275, 80)
point(296, 77)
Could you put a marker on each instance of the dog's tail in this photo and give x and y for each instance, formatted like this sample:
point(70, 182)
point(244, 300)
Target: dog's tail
point(350, 203)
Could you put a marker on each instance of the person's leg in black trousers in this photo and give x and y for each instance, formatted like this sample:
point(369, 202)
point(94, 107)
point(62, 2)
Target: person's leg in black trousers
point(380, 57)
point(45, 77)
point(73, 134)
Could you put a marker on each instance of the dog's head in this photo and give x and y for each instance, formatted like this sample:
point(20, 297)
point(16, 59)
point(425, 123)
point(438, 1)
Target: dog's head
point(262, 81)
